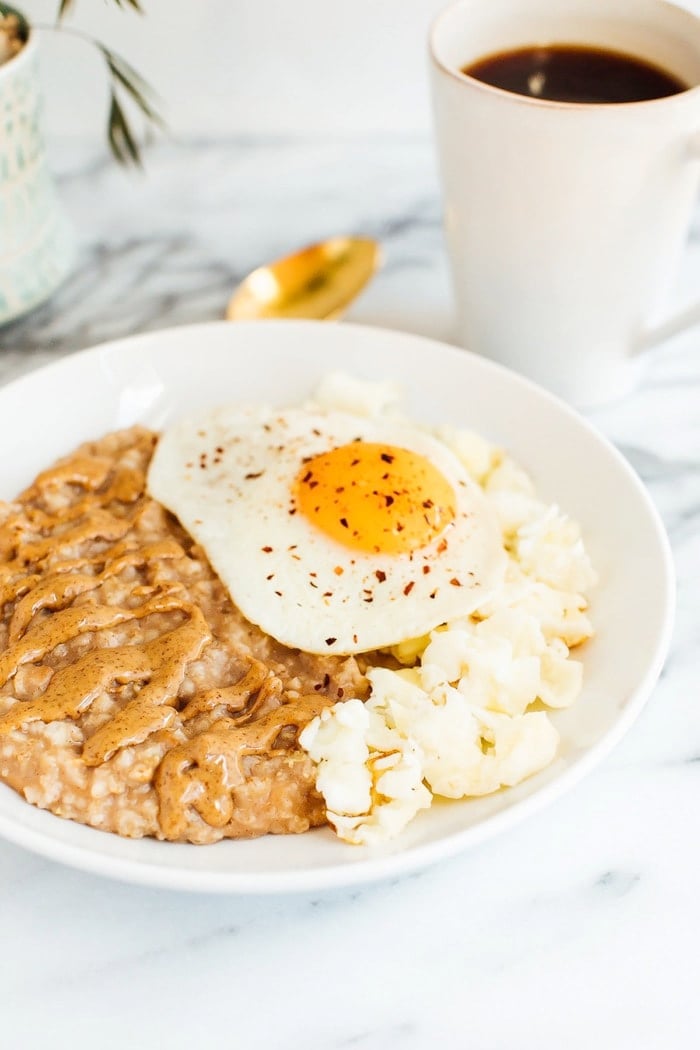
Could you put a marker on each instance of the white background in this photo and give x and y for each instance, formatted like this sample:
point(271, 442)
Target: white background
point(229, 67)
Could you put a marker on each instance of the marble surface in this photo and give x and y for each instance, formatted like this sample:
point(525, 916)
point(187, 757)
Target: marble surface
point(578, 928)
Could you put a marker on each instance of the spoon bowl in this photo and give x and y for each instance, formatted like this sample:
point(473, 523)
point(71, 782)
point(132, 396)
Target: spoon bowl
point(319, 282)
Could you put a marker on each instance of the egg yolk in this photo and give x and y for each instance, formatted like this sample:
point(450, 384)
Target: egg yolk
point(375, 498)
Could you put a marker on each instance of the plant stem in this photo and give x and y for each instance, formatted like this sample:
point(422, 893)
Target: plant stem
point(123, 78)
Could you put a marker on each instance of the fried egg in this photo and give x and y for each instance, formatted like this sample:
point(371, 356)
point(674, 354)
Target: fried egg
point(334, 533)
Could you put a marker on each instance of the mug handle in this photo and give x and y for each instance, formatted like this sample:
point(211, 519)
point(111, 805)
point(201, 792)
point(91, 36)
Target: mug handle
point(689, 316)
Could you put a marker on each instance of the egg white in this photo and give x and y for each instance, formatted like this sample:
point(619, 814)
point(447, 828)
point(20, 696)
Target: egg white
point(229, 477)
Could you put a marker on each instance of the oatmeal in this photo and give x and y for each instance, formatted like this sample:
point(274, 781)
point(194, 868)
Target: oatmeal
point(417, 608)
point(134, 696)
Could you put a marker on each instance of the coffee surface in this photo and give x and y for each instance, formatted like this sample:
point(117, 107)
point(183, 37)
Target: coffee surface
point(575, 73)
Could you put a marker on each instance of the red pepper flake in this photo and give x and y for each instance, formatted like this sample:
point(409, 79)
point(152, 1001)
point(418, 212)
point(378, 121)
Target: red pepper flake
point(344, 523)
point(354, 639)
point(292, 511)
point(278, 593)
point(340, 489)
point(400, 527)
point(455, 582)
point(250, 477)
point(313, 574)
point(433, 593)
point(442, 546)
point(313, 484)
point(385, 477)
point(316, 431)
point(428, 503)
point(331, 641)
point(408, 588)
point(305, 459)
point(313, 584)
point(328, 594)
point(369, 599)
point(220, 450)
point(271, 576)
point(426, 570)
point(339, 570)
point(389, 500)
point(381, 575)
point(327, 677)
point(266, 550)
point(318, 687)
point(292, 546)
point(341, 693)
point(307, 477)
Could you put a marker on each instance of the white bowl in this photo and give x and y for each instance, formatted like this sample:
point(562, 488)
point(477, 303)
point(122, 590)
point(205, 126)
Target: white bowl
point(154, 378)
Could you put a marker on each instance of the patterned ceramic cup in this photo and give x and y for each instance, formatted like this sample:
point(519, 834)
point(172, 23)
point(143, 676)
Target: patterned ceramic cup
point(36, 242)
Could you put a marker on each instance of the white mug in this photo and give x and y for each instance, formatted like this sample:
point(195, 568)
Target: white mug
point(565, 221)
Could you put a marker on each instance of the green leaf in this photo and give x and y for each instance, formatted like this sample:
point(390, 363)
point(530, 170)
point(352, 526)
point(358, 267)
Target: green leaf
point(143, 104)
point(119, 66)
point(121, 139)
point(65, 5)
point(125, 81)
point(125, 77)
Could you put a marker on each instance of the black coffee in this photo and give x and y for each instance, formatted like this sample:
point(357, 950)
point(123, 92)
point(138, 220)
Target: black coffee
point(574, 73)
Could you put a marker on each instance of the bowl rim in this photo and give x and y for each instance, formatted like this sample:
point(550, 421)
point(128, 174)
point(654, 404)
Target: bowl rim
point(419, 856)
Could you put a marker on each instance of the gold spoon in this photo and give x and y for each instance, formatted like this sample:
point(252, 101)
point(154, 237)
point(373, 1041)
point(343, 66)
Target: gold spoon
point(319, 282)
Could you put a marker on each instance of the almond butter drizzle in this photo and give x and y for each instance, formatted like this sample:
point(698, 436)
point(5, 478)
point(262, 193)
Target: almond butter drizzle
point(56, 590)
point(256, 682)
point(160, 663)
point(204, 772)
point(51, 585)
point(67, 624)
point(89, 472)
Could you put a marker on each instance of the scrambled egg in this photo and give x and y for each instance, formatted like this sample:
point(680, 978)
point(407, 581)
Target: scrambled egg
point(457, 720)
